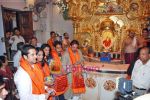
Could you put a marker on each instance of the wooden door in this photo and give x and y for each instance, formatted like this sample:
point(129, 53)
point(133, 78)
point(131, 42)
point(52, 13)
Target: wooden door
point(25, 24)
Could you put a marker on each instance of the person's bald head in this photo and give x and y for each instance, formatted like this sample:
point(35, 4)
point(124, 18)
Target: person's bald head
point(144, 54)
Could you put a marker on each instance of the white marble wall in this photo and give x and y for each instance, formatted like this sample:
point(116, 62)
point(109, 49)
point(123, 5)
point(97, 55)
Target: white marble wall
point(52, 22)
point(99, 92)
point(15, 4)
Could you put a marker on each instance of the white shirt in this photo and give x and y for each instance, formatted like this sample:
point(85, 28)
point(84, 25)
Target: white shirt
point(24, 85)
point(141, 74)
point(39, 45)
point(16, 40)
point(16, 59)
point(143, 97)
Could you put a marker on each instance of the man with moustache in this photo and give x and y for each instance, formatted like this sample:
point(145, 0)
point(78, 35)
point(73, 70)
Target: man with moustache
point(74, 57)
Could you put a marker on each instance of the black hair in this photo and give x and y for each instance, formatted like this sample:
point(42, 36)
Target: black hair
point(74, 42)
point(16, 28)
point(145, 48)
point(33, 38)
point(2, 59)
point(57, 43)
point(65, 33)
point(145, 29)
point(1, 64)
point(52, 32)
point(38, 49)
point(1, 80)
point(8, 31)
point(26, 48)
point(44, 46)
point(20, 45)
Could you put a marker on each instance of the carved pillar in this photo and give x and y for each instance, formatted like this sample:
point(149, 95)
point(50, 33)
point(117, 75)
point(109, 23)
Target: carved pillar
point(76, 30)
point(76, 25)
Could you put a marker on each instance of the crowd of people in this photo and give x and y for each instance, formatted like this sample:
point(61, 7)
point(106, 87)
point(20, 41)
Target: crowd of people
point(40, 71)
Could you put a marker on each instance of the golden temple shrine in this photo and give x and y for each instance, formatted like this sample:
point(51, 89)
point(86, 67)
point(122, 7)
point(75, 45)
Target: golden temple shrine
point(110, 35)
point(104, 23)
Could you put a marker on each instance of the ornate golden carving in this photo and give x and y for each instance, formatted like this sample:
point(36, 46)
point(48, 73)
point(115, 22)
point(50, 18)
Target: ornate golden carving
point(87, 21)
point(109, 85)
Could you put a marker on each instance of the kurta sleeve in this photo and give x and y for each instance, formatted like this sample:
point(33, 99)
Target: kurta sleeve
point(65, 60)
point(81, 56)
point(23, 84)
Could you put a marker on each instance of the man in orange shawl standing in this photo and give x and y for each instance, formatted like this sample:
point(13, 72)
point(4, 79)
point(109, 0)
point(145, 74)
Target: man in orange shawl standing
point(51, 40)
point(74, 58)
point(60, 84)
point(29, 78)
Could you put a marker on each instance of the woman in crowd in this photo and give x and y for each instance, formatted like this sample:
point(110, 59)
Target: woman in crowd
point(6, 72)
point(46, 48)
point(42, 63)
point(45, 69)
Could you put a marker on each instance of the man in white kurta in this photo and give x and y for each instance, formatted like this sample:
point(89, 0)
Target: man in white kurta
point(24, 86)
point(14, 40)
point(23, 79)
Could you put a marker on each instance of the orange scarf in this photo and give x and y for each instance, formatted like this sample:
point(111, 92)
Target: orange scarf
point(50, 43)
point(78, 85)
point(45, 69)
point(57, 67)
point(74, 57)
point(36, 76)
point(61, 81)
point(61, 84)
